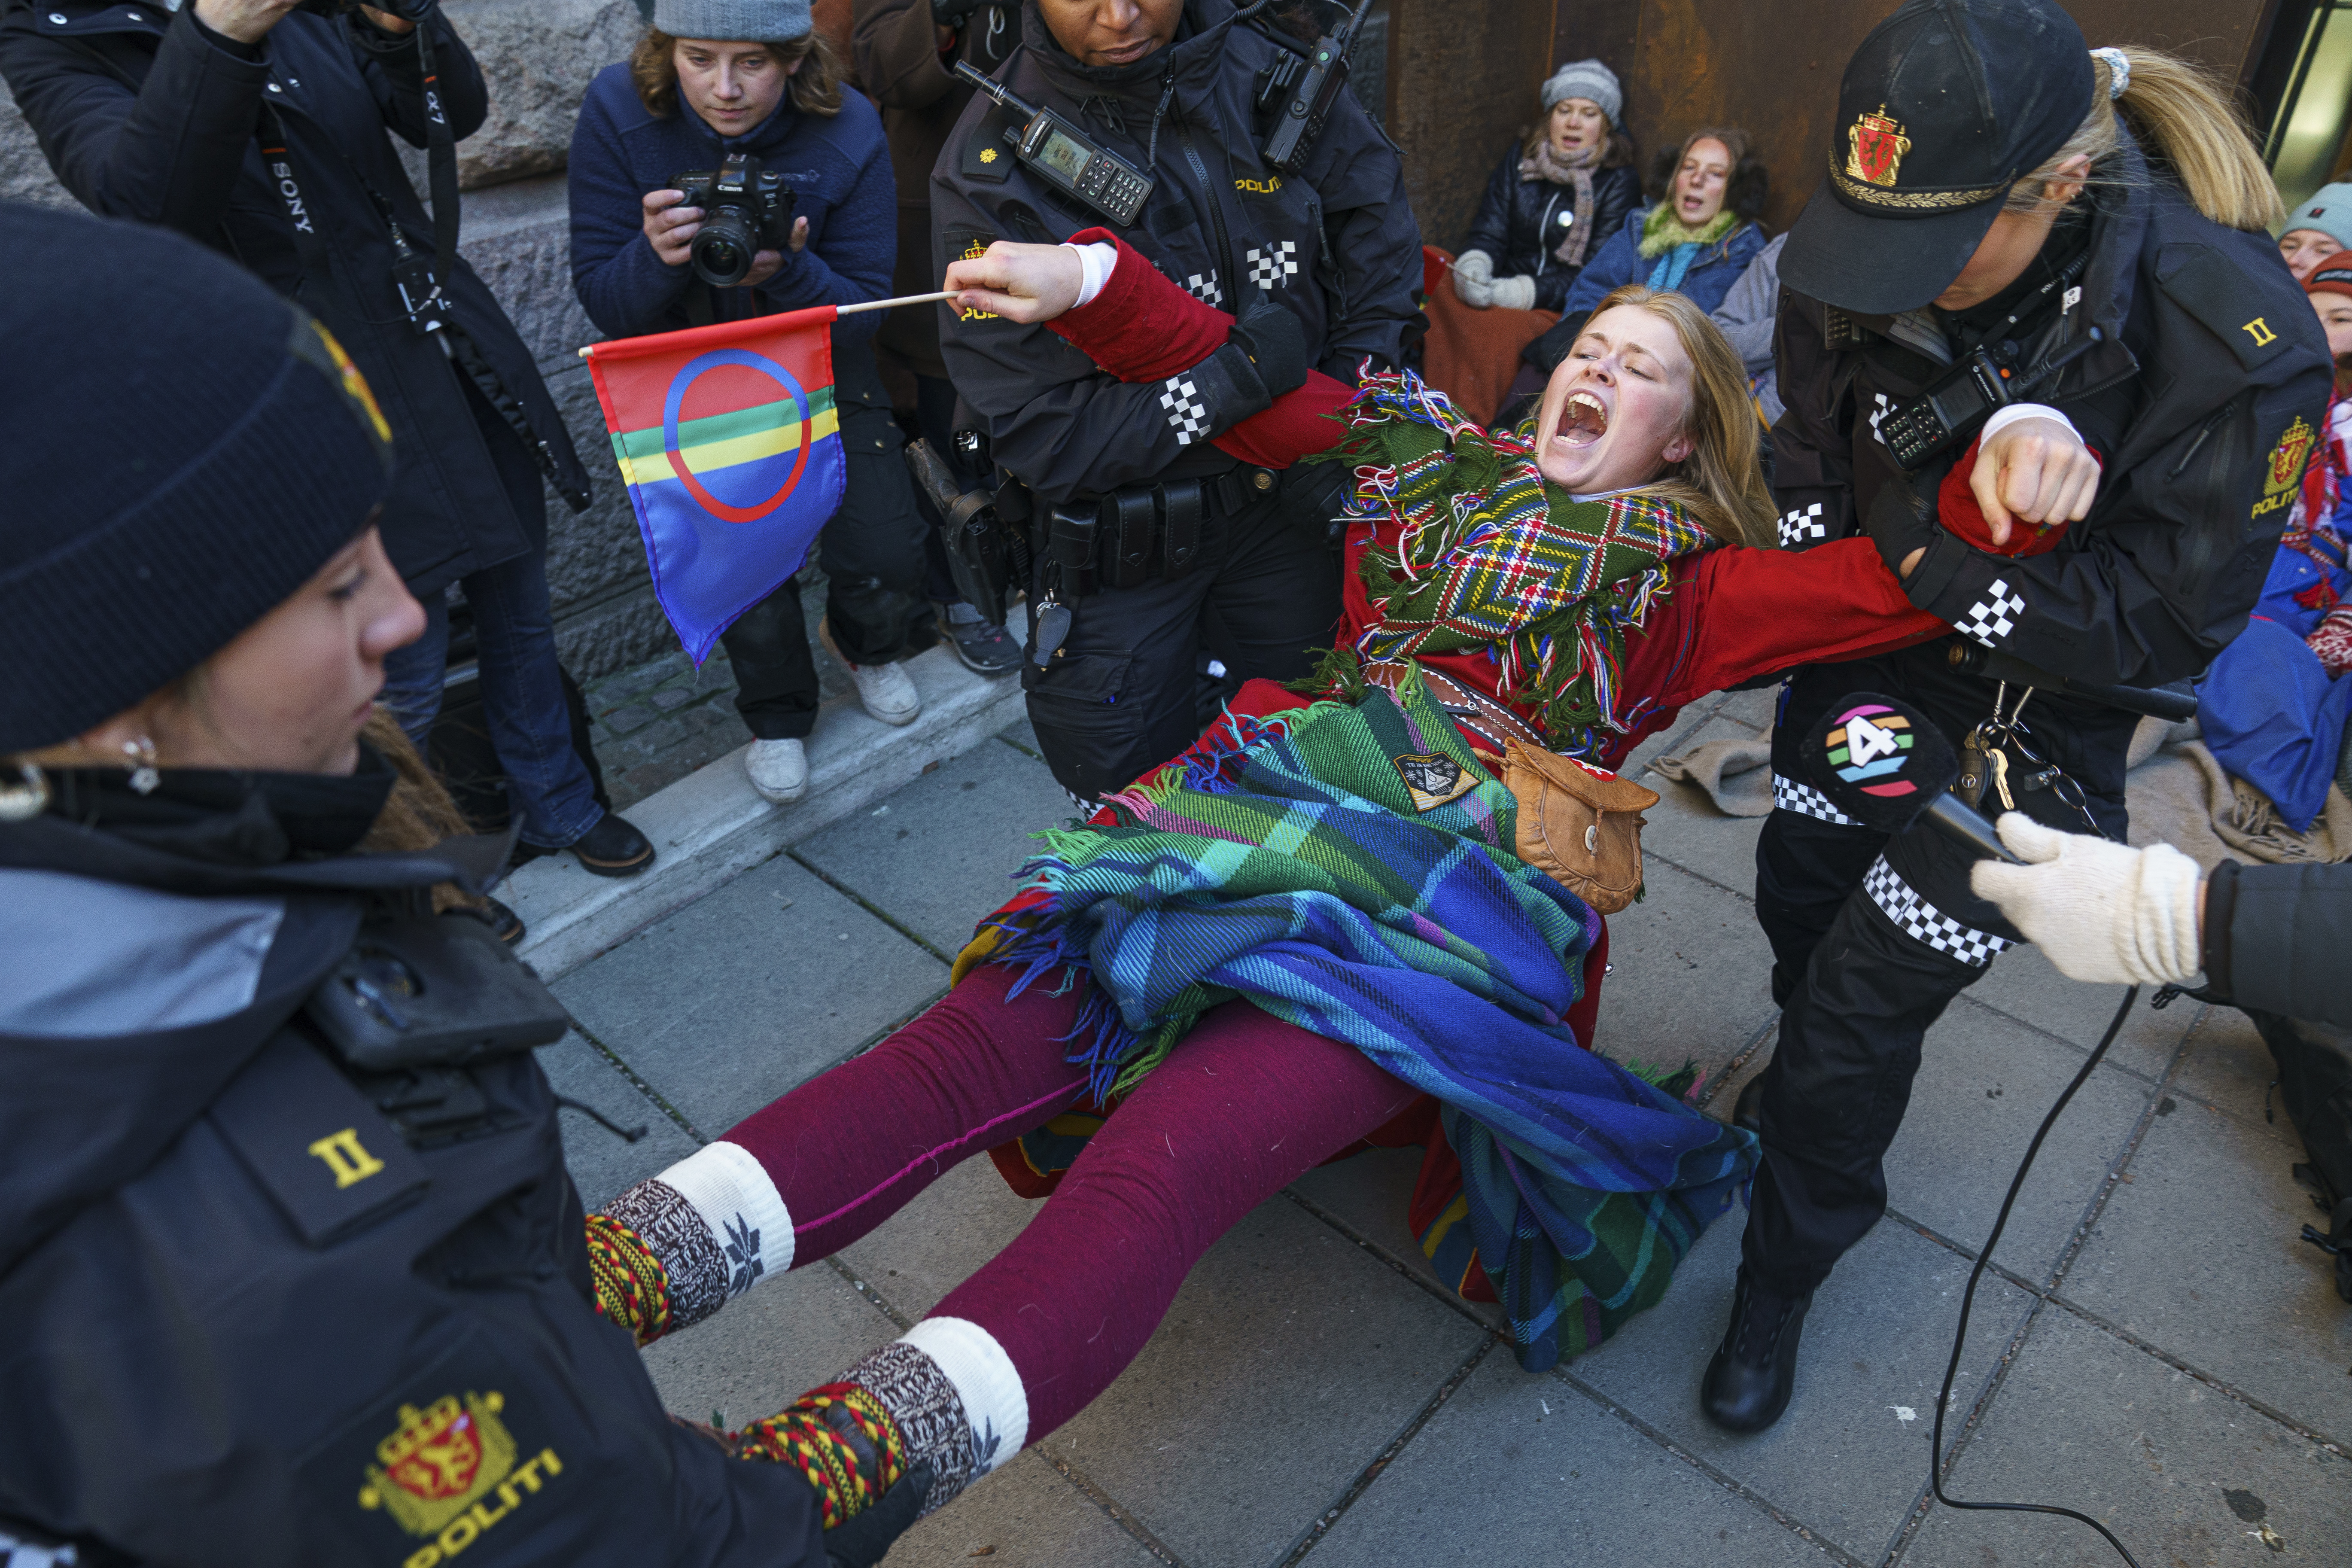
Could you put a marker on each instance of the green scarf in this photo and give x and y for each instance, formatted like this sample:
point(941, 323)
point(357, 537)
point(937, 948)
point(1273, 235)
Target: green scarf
point(1662, 230)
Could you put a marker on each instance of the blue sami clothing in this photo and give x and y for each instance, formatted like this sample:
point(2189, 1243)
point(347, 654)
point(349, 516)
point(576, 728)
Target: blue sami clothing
point(838, 168)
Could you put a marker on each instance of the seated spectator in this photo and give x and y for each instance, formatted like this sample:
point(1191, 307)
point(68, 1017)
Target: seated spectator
point(708, 79)
point(1747, 316)
point(1556, 196)
point(1553, 199)
point(2317, 230)
point(1697, 241)
point(2273, 707)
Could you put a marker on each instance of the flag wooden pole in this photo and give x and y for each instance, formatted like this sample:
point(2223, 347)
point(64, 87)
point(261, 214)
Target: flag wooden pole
point(869, 305)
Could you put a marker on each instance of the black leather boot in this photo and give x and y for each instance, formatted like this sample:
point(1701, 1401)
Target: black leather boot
point(1754, 1370)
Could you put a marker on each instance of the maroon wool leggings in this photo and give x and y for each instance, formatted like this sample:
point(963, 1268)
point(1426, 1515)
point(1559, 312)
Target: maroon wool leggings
point(1243, 1105)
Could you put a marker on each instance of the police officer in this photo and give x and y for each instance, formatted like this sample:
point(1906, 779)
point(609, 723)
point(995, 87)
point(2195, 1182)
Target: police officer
point(290, 1267)
point(2082, 232)
point(1168, 560)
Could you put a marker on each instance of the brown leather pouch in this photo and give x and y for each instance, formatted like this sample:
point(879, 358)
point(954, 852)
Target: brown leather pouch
point(1579, 826)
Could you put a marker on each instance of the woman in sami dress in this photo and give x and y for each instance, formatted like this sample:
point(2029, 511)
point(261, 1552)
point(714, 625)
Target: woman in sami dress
point(1273, 952)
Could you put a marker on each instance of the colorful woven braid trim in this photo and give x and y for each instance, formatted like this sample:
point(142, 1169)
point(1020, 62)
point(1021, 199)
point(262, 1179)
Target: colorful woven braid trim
point(1491, 557)
point(819, 1435)
point(632, 1285)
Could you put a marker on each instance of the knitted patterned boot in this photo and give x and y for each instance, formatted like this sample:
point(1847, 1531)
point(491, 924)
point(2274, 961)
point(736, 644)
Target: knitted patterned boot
point(841, 1439)
point(674, 1249)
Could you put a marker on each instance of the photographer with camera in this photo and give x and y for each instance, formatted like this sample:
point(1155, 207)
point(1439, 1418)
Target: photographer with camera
point(1168, 572)
point(790, 206)
point(256, 127)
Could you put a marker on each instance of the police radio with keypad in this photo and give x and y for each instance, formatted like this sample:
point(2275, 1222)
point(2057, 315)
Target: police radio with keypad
point(1067, 159)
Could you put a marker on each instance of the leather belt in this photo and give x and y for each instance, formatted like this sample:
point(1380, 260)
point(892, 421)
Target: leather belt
point(1477, 715)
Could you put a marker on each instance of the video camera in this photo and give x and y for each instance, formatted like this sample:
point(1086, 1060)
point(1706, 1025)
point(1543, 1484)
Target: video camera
point(746, 208)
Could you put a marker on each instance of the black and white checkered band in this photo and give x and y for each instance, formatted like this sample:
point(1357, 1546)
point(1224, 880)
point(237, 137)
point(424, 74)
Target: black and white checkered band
point(1922, 921)
point(1794, 794)
point(1995, 616)
point(1206, 288)
point(1802, 527)
point(1275, 264)
point(1186, 411)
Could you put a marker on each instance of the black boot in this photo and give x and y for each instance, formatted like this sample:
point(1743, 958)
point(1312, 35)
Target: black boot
point(1754, 1370)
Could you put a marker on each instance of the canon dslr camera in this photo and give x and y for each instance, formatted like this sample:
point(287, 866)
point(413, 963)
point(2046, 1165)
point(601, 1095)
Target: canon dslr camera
point(746, 208)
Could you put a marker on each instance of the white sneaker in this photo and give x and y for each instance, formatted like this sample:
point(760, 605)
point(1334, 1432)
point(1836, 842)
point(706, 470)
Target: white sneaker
point(884, 689)
point(778, 770)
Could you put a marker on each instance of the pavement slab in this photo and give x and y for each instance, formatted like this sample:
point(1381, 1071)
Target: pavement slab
point(1369, 1194)
point(2024, 985)
point(1514, 1469)
point(603, 1164)
point(941, 1239)
point(1851, 1455)
point(941, 852)
point(1688, 830)
point(1026, 1515)
point(751, 991)
point(767, 1347)
point(1690, 975)
point(1984, 1085)
point(2181, 1472)
point(1288, 1361)
point(2198, 1251)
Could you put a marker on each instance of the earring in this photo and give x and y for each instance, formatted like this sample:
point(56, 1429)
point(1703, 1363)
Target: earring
point(24, 798)
point(143, 776)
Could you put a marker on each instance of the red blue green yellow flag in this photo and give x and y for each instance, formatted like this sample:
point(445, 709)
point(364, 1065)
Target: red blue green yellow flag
point(727, 440)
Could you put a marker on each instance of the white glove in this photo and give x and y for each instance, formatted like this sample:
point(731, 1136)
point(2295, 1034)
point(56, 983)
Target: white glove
point(1515, 293)
point(1473, 293)
point(2104, 913)
point(1474, 264)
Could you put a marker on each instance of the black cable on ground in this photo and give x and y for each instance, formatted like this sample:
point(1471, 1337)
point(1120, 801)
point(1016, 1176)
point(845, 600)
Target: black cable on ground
point(1967, 1298)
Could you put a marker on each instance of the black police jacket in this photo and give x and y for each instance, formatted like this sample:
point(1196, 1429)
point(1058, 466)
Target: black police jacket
point(1336, 246)
point(143, 117)
point(2208, 389)
point(245, 1320)
point(1521, 222)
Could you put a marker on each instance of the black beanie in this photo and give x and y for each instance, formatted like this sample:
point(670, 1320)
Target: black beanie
point(185, 449)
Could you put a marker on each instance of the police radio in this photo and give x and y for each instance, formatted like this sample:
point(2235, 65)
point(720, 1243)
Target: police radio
point(1067, 159)
point(1314, 81)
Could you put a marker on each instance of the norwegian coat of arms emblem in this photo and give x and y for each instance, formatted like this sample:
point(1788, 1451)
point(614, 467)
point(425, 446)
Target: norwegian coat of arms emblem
point(1874, 148)
point(439, 1461)
point(2286, 457)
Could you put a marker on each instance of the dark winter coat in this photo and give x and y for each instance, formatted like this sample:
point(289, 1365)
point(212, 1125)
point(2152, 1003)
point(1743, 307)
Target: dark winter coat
point(896, 42)
point(2275, 937)
point(1712, 273)
point(1336, 245)
point(2211, 363)
point(142, 117)
point(231, 1283)
point(1521, 222)
point(837, 165)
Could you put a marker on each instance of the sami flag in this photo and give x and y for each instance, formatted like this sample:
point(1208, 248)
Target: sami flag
point(729, 444)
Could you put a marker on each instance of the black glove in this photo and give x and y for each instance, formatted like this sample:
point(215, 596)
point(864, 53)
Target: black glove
point(1275, 342)
point(953, 13)
point(1314, 496)
point(860, 1543)
point(1899, 521)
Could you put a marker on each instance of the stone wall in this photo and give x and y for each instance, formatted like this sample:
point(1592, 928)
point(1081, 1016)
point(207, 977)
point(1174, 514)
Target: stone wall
point(539, 57)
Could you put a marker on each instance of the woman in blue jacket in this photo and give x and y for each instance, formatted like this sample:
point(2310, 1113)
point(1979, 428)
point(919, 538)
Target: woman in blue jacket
point(693, 91)
point(1698, 241)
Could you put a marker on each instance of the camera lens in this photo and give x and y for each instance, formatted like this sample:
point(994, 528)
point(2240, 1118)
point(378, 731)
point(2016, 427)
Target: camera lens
point(723, 250)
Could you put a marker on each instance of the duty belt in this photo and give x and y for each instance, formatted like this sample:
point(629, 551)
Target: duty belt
point(1141, 531)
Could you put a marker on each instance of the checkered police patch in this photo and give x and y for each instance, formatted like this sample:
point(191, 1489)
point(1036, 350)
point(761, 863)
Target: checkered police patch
point(1993, 616)
point(1922, 921)
point(1206, 289)
point(1275, 264)
point(1186, 413)
point(1802, 527)
point(1794, 794)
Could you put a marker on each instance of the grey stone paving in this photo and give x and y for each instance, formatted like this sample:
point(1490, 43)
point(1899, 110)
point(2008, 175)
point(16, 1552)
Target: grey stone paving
point(2153, 1346)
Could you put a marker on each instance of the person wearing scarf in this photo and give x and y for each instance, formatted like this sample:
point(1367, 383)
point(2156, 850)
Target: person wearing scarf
point(1569, 184)
point(1698, 241)
point(1278, 948)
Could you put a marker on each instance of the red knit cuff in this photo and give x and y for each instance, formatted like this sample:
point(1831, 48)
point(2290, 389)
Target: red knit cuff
point(1300, 422)
point(1141, 327)
point(1957, 510)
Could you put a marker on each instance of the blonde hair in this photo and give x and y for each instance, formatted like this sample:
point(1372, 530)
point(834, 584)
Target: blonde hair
point(2186, 122)
point(1720, 483)
point(814, 89)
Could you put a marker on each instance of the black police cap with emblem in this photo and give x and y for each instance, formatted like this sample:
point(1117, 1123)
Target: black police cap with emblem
point(1945, 105)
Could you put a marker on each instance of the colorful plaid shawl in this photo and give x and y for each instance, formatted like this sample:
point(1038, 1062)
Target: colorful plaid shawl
point(1294, 870)
point(1492, 557)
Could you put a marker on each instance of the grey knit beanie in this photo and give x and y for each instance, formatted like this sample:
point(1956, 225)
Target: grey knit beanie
point(2329, 211)
point(734, 21)
point(1578, 79)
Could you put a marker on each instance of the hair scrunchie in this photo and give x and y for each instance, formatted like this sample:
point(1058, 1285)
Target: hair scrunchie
point(2119, 70)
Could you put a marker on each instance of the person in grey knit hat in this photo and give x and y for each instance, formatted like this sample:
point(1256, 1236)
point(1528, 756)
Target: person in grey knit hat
point(1552, 200)
point(2317, 230)
point(739, 21)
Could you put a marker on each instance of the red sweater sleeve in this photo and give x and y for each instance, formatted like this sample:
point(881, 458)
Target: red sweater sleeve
point(1141, 327)
point(1736, 614)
